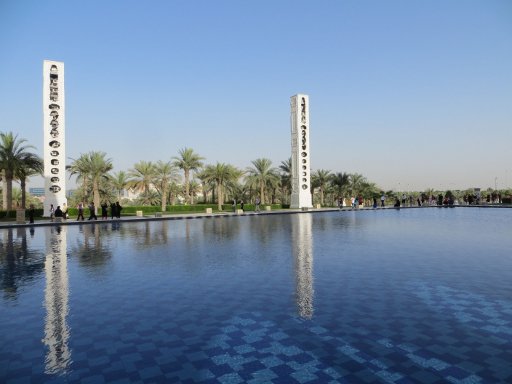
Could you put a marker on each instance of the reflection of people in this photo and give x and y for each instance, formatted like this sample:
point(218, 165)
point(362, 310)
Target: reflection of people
point(31, 213)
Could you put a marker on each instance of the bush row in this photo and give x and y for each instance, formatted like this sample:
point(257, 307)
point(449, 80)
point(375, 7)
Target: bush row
point(148, 210)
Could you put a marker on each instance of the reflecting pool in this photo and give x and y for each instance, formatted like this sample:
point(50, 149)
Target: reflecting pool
point(387, 296)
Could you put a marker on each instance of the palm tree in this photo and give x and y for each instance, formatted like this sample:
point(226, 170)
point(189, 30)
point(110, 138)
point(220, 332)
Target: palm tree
point(142, 176)
point(150, 197)
point(222, 175)
point(194, 189)
point(12, 153)
point(188, 161)
point(165, 174)
point(263, 175)
point(119, 182)
point(93, 167)
point(80, 168)
point(356, 182)
point(341, 181)
point(320, 179)
point(31, 165)
point(286, 178)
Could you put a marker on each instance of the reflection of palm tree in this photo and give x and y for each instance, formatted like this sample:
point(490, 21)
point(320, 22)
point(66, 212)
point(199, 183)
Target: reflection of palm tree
point(91, 250)
point(263, 175)
point(13, 152)
point(188, 161)
point(19, 264)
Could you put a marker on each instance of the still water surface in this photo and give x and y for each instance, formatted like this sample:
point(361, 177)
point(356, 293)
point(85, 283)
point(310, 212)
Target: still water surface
point(411, 295)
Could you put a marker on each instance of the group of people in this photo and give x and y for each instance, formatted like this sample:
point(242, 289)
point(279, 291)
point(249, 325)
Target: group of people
point(54, 212)
point(115, 211)
point(257, 203)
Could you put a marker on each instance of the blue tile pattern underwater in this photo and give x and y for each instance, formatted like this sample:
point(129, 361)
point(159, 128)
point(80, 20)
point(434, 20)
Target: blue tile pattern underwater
point(134, 314)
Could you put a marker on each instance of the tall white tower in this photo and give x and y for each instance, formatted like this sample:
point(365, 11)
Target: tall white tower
point(301, 169)
point(54, 109)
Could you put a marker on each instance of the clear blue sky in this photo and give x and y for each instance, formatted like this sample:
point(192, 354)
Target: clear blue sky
point(411, 94)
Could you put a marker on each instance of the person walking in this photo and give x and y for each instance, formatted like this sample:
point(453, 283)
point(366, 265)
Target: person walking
point(80, 211)
point(104, 208)
point(242, 205)
point(258, 202)
point(31, 214)
point(92, 214)
point(52, 212)
point(382, 200)
point(113, 211)
point(58, 212)
point(118, 210)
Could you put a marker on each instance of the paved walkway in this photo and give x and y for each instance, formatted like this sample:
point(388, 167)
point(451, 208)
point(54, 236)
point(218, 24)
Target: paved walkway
point(198, 215)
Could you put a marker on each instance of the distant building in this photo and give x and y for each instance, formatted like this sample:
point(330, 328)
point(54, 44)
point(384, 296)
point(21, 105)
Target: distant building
point(38, 192)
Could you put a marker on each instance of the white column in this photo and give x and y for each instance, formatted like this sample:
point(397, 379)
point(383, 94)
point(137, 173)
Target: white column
point(54, 109)
point(301, 168)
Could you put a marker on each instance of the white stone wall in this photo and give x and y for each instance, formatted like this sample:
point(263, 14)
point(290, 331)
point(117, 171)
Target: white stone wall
point(54, 109)
point(301, 157)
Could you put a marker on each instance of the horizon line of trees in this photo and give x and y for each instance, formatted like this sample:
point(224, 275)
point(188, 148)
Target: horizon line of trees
point(182, 178)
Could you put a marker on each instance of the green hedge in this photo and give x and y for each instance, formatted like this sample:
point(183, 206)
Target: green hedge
point(149, 210)
point(38, 213)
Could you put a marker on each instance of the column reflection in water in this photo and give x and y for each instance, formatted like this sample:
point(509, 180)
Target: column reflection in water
point(302, 248)
point(56, 329)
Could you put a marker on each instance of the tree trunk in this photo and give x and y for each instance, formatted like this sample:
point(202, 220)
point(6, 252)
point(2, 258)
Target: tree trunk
point(23, 192)
point(164, 198)
point(187, 187)
point(262, 193)
point(8, 188)
point(4, 193)
point(219, 197)
point(96, 195)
